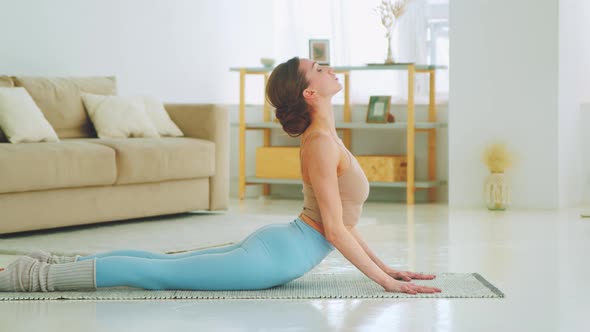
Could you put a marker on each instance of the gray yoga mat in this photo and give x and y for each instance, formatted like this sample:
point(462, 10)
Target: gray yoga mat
point(310, 286)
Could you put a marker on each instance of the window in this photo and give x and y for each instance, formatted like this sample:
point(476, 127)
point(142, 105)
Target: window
point(438, 41)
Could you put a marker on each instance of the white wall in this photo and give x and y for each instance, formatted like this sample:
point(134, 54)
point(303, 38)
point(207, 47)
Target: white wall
point(574, 90)
point(179, 50)
point(504, 87)
point(584, 140)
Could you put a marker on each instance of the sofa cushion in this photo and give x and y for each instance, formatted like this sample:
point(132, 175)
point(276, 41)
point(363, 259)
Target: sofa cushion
point(160, 118)
point(118, 116)
point(21, 120)
point(59, 99)
point(39, 166)
point(144, 160)
point(5, 82)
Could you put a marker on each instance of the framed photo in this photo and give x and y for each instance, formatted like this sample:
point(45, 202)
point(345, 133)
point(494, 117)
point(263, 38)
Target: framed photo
point(319, 51)
point(379, 107)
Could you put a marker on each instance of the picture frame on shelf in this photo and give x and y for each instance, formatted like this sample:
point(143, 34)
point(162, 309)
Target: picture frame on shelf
point(319, 51)
point(378, 110)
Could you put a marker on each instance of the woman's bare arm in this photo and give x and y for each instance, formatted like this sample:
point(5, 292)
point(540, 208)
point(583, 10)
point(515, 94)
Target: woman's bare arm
point(321, 161)
point(368, 250)
point(401, 275)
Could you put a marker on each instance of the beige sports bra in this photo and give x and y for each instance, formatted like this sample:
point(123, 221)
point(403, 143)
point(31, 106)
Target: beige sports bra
point(352, 185)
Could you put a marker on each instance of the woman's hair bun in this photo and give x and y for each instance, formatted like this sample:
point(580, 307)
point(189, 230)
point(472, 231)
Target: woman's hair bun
point(284, 91)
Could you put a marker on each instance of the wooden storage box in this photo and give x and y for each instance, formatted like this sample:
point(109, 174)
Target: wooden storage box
point(384, 168)
point(281, 162)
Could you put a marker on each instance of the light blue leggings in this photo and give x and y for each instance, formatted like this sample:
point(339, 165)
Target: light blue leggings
point(272, 255)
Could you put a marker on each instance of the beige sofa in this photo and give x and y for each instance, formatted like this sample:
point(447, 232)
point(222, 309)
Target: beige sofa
point(83, 179)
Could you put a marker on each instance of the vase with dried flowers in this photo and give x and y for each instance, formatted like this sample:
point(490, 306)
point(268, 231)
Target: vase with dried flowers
point(496, 189)
point(390, 12)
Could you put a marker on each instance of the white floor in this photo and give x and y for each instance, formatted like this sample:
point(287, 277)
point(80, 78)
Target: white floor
point(538, 258)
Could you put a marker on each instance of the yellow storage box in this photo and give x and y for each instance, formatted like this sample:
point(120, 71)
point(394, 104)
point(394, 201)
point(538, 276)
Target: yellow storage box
point(384, 168)
point(279, 162)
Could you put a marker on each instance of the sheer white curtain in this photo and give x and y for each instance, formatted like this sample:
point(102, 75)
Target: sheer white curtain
point(411, 43)
point(297, 21)
point(356, 38)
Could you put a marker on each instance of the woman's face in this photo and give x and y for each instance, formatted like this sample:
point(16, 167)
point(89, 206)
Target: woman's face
point(321, 78)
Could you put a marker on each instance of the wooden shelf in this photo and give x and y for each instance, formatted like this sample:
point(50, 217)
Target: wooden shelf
point(347, 125)
point(400, 66)
point(352, 125)
point(419, 184)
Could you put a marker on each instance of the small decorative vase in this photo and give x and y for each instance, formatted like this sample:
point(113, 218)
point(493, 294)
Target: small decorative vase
point(389, 59)
point(389, 35)
point(497, 192)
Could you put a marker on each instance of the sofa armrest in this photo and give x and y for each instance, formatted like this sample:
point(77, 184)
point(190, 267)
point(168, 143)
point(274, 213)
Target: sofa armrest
point(209, 122)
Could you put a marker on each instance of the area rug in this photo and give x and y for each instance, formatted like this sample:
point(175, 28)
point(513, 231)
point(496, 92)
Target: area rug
point(310, 286)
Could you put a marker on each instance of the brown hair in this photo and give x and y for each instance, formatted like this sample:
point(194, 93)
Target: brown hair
point(284, 91)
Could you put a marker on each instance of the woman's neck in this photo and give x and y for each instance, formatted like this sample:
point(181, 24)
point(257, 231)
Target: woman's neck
point(322, 118)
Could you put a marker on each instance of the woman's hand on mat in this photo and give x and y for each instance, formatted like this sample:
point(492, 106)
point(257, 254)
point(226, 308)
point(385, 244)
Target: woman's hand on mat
point(408, 276)
point(397, 286)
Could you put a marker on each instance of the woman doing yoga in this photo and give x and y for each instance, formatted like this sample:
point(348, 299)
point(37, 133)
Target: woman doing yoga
point(334, 188)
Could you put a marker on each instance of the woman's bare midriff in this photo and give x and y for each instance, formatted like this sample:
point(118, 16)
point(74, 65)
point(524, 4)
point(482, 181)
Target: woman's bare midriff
point(316, 225)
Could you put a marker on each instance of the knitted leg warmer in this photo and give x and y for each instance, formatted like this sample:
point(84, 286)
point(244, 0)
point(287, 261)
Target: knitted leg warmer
point(26, 274)
point(45, 257)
